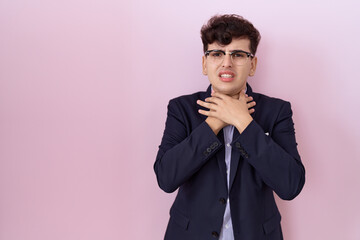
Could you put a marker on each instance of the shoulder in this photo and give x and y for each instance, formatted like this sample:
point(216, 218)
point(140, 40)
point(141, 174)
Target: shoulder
point(271, 109)
point(185, 108)
point(268, 101)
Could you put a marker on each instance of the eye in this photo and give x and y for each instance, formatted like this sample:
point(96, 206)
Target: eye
point(216, 54)
point(239, 55)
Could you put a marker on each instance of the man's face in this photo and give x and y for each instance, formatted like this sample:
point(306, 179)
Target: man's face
point(226, 77)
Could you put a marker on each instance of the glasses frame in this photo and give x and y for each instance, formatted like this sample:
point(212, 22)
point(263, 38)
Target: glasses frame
point(230, 53)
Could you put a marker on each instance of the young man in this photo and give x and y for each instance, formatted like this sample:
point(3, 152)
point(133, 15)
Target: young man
point(228, 149)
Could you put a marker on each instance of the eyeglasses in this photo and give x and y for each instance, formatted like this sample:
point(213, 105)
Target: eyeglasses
point(238, 57)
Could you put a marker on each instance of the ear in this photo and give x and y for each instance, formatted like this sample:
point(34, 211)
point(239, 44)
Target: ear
point(253, 66)
point(204, 69)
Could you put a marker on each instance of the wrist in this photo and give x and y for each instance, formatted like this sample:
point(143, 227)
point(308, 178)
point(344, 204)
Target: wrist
point(242, 124)
point(214, 124)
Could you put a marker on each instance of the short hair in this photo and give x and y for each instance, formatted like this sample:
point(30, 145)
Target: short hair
point(224, 28)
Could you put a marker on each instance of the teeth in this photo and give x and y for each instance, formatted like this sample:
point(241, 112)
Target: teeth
point(226, 76)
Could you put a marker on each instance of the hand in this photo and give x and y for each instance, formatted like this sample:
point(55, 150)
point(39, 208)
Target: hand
point(234, 111)
point(215, 124)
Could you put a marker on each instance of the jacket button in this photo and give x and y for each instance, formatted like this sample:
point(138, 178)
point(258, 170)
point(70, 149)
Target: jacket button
point(222, 200)
point(214, 145)
point(208, 150)
point(215, 234)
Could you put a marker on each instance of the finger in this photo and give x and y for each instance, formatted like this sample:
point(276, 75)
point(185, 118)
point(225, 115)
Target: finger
point(252, 110)
point(210, 106)
point(205, 113)
point(214, 100)
point(251, 104)
point(249, 99)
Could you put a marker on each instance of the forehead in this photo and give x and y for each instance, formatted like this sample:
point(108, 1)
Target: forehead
point(236, 44)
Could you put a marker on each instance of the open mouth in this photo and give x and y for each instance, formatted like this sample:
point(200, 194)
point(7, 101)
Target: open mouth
point(226, 76)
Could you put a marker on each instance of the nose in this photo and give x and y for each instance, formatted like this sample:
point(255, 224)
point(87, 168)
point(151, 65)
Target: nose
point(227, 62)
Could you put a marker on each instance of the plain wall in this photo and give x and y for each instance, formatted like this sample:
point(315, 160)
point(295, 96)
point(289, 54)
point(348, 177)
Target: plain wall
point(84, 87)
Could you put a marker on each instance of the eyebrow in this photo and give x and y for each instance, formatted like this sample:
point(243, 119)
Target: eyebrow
point(229, 51)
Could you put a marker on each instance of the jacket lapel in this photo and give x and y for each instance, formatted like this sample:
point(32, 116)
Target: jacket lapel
point(220, 158)
point(255, 97)
point(235, 155)
point(235, 158)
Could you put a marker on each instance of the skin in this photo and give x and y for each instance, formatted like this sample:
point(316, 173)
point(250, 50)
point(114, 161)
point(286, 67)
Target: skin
point(228, 104)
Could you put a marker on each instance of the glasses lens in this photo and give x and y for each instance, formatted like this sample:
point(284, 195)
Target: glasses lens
point(216, 56)
point(239, 58)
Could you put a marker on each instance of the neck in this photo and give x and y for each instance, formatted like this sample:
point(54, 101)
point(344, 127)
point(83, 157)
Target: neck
point(237, 95)
point(233, 95)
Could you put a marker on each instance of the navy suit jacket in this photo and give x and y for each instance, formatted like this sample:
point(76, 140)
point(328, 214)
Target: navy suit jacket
point(264, 160)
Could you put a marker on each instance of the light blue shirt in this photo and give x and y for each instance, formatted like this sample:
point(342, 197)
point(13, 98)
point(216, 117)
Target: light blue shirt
point(227, 232)
point(227, 229)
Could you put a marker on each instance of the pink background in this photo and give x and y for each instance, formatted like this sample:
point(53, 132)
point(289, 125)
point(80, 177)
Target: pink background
point(84, 87)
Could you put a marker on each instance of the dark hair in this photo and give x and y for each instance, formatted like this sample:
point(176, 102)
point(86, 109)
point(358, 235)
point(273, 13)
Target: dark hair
point(224, 28)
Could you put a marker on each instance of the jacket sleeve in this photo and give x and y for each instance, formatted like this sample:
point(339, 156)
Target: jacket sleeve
point(275, 156)
point(182, 152)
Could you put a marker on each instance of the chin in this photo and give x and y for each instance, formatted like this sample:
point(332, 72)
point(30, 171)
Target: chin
point(227, 90)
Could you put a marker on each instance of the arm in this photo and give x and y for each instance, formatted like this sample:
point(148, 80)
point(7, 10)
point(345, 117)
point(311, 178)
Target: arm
point(181, 154)
point(275, 158)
